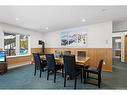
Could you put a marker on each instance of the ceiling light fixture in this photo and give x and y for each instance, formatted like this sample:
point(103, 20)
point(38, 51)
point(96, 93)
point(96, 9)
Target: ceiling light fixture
point(83, 20)
point(16, 19)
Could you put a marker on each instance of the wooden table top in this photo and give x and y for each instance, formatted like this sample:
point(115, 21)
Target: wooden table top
point(60, 60)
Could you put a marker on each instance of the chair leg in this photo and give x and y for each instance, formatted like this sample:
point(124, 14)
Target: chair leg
point(75, 82)
point(84, 76)
point(62, 73)
point(35, 71)
point(81, 76)
point(55, 76)
point(99, 80)
point(87, 75)
point(65, 80)
point(47, 74)
point(40, 72)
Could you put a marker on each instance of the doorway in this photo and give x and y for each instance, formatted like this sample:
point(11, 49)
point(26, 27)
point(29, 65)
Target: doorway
point(116, 48)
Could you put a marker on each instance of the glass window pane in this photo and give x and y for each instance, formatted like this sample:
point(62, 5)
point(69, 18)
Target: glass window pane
point(10, 44)
point(23, 44)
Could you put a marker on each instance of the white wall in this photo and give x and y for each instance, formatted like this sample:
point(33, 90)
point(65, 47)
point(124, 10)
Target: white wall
point(99, 36)
point(34, 36)
point(119, 26)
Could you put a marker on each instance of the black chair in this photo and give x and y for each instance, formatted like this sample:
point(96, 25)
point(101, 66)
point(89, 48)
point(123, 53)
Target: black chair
point(52, 66)
point(71, 68)
point(93, 70)
point(67, 52)
point(39, 64)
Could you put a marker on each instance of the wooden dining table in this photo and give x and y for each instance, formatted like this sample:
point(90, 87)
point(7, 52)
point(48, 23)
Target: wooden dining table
point(81, 62)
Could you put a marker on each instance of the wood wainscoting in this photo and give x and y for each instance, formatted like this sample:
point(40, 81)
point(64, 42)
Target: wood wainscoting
point(22, 59)
point(95, 55)
point(125, 49)
point(18, 59)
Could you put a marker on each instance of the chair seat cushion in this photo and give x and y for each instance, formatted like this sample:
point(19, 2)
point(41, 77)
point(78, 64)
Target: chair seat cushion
point(91, 70)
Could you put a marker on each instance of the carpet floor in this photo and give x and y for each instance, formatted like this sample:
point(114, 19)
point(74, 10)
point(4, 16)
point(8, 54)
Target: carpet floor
point(23, 78)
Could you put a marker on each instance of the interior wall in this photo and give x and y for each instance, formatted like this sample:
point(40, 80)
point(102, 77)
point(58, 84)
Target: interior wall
point(99, 43)
point(34, 38)
point(120, 26)
point(94, 54)
point(99, 36)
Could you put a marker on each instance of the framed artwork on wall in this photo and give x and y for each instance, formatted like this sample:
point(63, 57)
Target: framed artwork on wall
point(74, 38)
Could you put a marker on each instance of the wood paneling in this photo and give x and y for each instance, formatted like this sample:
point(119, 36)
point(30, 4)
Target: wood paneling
point(22, 59)
point(18, 59)
point(95, 55)
point(34, 50)
point(125, 49)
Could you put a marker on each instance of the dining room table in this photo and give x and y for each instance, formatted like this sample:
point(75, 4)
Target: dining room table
point(79, 61)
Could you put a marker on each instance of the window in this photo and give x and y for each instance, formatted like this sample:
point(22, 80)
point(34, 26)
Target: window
point(16, 44)
point(10, 44)
point(23, 44)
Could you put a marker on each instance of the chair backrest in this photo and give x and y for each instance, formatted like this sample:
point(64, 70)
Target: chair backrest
point(81, 55)
point(99, 68)
point(37, 59)
point(69, 64)
point(67, 52)
point(50, 61)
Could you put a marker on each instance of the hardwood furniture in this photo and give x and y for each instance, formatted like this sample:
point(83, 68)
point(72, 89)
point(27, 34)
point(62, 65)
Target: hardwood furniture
point(67, 52)
point(39, 64)
point(52, 66)
point(96, 71)
point(71, 69)
point(3, 67)
point(79, 62)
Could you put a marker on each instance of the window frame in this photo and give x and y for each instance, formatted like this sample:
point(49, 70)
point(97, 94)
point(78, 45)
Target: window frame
point(17, 49)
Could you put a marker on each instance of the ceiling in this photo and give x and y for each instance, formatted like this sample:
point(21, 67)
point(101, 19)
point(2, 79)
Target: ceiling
point(59, 17)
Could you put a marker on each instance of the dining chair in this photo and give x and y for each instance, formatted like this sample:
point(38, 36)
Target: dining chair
point(71, 69)
point(67, 52)
point(94, 70)
point(52, 66)
point(39, 64)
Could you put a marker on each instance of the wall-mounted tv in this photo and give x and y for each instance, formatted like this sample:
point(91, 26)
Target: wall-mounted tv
point(2, 56)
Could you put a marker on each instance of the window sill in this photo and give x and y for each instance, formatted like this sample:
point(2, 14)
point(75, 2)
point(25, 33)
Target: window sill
point(18, 56)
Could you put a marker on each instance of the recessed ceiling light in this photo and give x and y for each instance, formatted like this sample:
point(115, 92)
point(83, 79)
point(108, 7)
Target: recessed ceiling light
point(16, 19)
point(83, 20)
point(46, 28)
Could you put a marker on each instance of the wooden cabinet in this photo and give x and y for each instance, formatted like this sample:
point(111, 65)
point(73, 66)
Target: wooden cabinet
point(3, 68)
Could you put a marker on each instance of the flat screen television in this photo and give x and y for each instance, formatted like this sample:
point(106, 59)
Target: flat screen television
point(2, 56)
